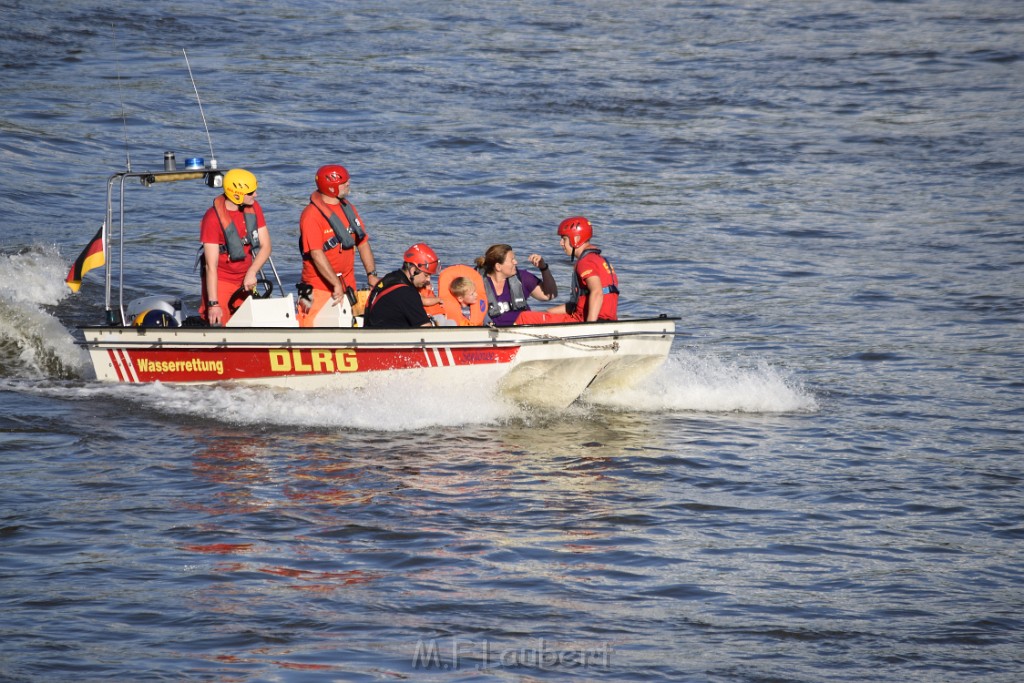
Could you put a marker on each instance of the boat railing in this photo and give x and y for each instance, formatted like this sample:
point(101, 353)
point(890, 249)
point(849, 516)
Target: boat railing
point(497, 337)
point(213, 178)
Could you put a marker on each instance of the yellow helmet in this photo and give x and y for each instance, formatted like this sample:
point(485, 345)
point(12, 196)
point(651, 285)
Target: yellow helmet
point(237, 183)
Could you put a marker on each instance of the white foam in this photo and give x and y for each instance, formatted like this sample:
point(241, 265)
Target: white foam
point(35, 276)
point(689, 381)
point(384, 405)
point(32, 341)
point(701, 381)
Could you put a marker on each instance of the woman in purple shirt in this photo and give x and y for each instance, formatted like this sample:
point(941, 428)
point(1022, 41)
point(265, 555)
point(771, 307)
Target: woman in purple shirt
point(508, 287)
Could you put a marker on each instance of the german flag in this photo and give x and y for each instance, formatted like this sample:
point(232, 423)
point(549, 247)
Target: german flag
point(91, 257)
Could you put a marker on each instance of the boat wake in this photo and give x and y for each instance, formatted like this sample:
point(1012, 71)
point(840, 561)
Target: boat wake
point(689, 382)
point(33, 342)
point(388, 405)
point(699, 381)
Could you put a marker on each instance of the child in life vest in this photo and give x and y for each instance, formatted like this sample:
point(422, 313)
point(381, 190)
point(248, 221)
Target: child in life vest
point(464, 291)
point(462, 305)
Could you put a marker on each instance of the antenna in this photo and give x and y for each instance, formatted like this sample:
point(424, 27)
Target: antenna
point(213, 159)
point(124, 120)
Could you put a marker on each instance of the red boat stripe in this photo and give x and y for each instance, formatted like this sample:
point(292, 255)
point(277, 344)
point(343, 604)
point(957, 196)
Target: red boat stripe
point(123, 364)
point(202, 364)
point(443, 357)
point(116, 363)
point(130, 365)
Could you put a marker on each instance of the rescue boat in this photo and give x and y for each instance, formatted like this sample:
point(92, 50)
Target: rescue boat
point(150, 340)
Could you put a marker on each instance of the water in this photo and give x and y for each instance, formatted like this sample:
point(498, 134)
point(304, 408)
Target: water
point(824, 482)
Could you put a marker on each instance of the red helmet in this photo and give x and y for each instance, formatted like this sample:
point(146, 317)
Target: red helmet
point(330, 178)
point(423, 257)
point(577, 229)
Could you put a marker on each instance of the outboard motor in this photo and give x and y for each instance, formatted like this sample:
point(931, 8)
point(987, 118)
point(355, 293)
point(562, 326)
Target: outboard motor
point(155, 311)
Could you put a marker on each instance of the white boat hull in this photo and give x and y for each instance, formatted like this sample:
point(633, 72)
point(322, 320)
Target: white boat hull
point(549, 365)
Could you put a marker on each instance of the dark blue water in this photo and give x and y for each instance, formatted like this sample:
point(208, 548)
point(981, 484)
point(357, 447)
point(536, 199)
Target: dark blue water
point(824, 483)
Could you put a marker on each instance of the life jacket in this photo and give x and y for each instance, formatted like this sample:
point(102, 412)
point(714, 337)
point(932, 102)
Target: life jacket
point(388, 284)
point(346, 234)
point(574, 295)
point(235, 245)
point(429, 293)
point(452, 307)
point(495, 307)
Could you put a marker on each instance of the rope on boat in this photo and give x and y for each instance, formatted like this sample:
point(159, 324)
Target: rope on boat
point(614, 346)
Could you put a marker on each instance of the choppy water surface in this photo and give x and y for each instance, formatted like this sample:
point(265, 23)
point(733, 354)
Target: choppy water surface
point(823, 483)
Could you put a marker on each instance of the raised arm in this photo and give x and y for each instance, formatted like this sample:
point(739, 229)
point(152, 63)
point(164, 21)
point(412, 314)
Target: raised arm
point(547, 289)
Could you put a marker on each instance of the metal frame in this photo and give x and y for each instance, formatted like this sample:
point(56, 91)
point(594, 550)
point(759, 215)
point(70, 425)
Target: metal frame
point(146, 178)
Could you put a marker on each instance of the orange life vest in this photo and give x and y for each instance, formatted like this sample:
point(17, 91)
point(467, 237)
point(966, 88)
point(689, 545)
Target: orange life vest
point(347, 234)
point(578, 286)
point(452, 307)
